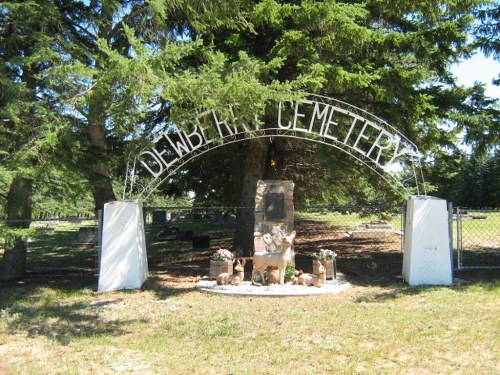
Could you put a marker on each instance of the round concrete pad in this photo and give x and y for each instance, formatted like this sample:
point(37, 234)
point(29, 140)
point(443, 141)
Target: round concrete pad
point(273, 290)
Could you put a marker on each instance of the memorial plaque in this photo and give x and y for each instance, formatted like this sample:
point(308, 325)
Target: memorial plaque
point(273, 212)
point(274, 206)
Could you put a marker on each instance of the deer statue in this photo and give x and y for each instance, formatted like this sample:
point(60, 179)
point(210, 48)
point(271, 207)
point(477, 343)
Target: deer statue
point(263, 259)
point(273, 276)
point(310, 279)
point(234, 279)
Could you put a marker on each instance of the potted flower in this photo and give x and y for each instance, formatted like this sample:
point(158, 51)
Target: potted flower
point(328, 259)
point(221, 262)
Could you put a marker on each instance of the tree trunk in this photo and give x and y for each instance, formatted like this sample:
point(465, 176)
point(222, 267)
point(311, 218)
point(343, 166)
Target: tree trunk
point(19, 207)
point(102, 191)
point(99, 180)
point(253, 170)
point(14, 260)
point(275, 160)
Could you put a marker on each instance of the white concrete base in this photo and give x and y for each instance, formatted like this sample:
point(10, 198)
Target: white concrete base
point(273, 290)
point(123, 260)
point(427, 258)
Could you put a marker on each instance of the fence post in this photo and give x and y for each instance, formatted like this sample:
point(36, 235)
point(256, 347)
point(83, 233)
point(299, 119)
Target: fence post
point(99, 239)
point(124, 262)
point(450, 230)
point(459, 239)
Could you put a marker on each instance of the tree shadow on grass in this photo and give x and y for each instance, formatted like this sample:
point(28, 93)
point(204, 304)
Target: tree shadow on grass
point(177, 277)
point(60, 249)
point(164, 288)
point(34, 311)
point(362, 264)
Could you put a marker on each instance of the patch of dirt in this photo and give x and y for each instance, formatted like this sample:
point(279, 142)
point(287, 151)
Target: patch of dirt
point(363, 261)
point(370, 261)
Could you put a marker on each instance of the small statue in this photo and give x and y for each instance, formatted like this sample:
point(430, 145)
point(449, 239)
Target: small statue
point(310, 279)
point(262, 260)
point(273, 276)
point(234, 279)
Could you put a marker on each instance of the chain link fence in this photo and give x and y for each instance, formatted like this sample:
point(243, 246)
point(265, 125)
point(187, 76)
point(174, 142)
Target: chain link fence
point(69, 245)
point(56, 246)
point(367, 239)
point(364, 237)
point(381, 226)
point(477, 238)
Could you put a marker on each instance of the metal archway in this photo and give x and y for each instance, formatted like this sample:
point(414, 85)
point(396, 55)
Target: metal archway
point(360, 134)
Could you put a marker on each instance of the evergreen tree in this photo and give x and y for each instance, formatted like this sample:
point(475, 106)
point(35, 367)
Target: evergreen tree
point(476, 184)
point(29, 33)
point(390, 58)
point(95, 79)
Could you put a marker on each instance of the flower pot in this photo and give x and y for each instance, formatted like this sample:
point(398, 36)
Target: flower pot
point(217, 267)
point(330, 267)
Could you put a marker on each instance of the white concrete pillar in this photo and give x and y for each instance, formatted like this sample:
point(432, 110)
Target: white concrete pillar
point(427, 258)
point(123, 259)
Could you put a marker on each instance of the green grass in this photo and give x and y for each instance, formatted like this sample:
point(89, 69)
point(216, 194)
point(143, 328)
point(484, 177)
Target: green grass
point(57, 246)
point(365, 330)
point(60, 325)
point(480, 232)
point(349, 221)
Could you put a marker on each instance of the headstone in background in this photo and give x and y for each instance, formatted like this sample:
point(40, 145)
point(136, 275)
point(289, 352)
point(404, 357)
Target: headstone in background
point(87, 234)
point(159, 218)
point(75, 219)
point(201, 242)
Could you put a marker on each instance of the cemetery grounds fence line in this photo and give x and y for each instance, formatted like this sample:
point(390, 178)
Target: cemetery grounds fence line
point(347, 218)
point(476, 238)
point(45, 223)
point(475, 233)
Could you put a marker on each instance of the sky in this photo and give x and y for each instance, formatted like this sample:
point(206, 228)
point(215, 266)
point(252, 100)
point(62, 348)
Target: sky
point(479, 68)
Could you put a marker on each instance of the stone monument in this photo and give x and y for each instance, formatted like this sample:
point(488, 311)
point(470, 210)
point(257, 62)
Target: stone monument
point(274, 212)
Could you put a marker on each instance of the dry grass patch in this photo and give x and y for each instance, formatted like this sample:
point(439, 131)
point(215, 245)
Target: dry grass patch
point(58, 325)
point(168, 328)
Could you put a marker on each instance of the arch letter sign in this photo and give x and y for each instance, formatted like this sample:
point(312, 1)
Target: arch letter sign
point(354, 131)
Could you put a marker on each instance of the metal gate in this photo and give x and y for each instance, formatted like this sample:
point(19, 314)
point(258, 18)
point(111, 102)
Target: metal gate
point(477, 238)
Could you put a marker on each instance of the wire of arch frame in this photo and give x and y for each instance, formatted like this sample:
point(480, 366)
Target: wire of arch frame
point(366, 138)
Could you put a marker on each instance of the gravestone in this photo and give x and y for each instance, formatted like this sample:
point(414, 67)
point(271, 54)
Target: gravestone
point(374, 229)
point(201, 242)
point(75, 219)
point(52, 221)
point(274, 211)
point(159, 218)
point(87, 234)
